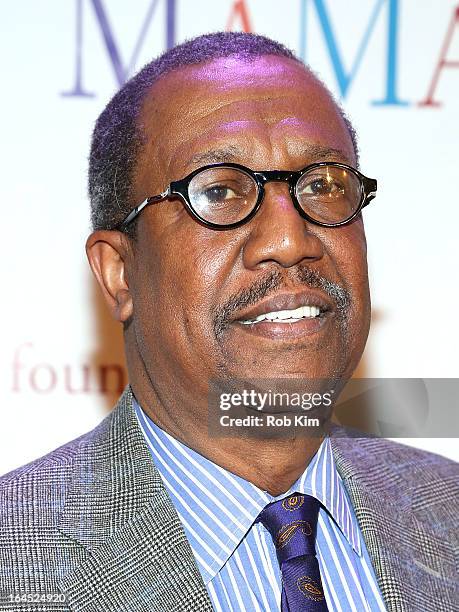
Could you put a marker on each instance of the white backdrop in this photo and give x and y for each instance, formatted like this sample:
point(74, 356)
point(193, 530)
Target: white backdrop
point(61, 356)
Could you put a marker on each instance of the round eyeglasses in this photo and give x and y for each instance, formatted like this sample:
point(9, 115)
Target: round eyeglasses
point(226, 195)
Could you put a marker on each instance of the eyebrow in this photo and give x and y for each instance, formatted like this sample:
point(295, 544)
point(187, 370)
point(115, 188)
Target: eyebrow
point(314, 152)
point(320, 153)
point(217, 156)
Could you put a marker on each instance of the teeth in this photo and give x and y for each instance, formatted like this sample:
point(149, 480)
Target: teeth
point(287, 316)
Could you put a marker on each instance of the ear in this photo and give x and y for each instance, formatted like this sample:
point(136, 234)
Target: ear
point(108, 253)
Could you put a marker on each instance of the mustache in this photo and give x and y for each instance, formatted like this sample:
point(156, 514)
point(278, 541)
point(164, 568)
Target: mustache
point(276, 280)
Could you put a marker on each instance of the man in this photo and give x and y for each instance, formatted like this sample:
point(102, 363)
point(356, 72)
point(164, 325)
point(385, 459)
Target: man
point(229, 243)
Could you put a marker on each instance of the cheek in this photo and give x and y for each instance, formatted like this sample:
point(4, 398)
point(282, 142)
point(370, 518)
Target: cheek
point(201, 266)
point(184, 270)
point(348, 250)
point(353, 252)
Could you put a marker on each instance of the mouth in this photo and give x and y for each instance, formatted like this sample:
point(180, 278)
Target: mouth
point(287, 315)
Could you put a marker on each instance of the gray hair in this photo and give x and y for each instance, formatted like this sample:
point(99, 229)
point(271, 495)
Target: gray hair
point(117, 139)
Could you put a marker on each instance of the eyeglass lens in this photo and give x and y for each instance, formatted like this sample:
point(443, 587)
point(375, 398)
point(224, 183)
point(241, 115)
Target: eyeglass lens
point(224, 195)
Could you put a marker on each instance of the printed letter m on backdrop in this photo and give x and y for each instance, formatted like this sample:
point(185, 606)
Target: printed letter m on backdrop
point(344, 78)
point(121, 70)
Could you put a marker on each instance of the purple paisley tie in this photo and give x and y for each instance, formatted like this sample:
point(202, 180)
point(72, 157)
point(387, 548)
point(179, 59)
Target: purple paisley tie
point(292, 523)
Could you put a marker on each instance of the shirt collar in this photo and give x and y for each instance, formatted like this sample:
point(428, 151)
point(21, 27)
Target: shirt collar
point(233, 502)
point(321, 480)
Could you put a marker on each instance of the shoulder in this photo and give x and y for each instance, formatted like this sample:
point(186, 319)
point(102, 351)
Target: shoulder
point(42, 484)
point(386, 467)
point(381, 451)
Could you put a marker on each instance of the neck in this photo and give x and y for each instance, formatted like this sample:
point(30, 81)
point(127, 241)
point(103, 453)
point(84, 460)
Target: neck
point(273, 465)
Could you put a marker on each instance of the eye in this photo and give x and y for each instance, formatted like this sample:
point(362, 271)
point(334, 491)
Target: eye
point(218, 193)
point(322, 186)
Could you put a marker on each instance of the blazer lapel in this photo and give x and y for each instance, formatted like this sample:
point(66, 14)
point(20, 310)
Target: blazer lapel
point(415, 567)
point(132, 553)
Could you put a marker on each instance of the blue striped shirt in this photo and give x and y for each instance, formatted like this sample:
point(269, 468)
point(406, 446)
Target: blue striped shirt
point(237, 558)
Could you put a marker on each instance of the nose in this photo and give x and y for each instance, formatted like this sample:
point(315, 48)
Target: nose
point(278, 233)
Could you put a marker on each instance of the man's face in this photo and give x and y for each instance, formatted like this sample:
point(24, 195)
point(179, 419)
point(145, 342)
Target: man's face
point(192, 286)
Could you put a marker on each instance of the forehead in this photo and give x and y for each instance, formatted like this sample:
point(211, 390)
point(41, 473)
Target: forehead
point(264, 109)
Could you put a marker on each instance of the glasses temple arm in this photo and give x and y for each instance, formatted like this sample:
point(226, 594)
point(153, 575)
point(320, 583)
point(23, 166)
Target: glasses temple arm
point(138, 209)
point(371, 187)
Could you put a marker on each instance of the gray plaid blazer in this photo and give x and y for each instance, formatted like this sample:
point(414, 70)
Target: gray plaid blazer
point(92, 520)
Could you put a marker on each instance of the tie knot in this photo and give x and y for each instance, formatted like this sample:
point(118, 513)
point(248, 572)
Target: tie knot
point(292, 523)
